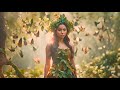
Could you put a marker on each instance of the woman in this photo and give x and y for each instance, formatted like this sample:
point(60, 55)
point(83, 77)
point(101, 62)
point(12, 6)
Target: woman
point(61, 51)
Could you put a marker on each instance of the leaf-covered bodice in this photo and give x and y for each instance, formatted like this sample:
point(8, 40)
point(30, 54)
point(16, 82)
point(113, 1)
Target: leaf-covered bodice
point(62, 67)
point(61, 55)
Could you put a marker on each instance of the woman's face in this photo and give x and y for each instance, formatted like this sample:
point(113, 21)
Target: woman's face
point(61, 31)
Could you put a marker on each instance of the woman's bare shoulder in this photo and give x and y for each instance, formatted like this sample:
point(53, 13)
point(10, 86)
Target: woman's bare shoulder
point(71, 43)
point(49, 44)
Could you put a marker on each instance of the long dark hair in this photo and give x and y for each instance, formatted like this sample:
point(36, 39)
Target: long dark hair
point(66, 40)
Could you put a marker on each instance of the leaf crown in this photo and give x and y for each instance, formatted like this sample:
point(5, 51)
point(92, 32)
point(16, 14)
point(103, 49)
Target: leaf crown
point(61, 20)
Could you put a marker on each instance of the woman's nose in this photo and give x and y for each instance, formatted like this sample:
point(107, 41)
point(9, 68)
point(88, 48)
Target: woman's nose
point(62, 31)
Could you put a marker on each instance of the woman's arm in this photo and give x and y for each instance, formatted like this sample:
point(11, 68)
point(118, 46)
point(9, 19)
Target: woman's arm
point(48, 58)
point(72, 61)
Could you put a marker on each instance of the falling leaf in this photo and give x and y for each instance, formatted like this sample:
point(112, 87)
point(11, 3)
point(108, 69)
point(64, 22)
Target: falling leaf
point(76, 23)
point(32, 41)
point(87, 34)
point(21, 53)
point(46, 31)
point(76, 51)
point(20, 42)
point(42, 28)
point(14, 41)
point(34, 48)
point(25, 42)
point(31, 22)
point(36, 34)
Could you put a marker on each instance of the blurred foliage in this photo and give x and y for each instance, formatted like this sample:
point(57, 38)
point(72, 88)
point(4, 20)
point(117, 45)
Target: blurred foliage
point(36, 72)
point(106, 66)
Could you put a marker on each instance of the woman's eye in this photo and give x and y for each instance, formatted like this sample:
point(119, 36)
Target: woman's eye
point(64, 29)
point(59, 29)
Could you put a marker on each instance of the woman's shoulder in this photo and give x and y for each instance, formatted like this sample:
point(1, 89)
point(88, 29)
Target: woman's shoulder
point(49, 44)
point(71, 44)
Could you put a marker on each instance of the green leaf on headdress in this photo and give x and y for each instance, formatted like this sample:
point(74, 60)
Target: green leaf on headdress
point(62, 19)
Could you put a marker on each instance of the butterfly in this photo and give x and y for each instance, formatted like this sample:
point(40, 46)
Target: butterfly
point(96, 23)
point(37, 60)
point(28, 32)
point(12, 49)
point(78, 39)
point(81, 29)
point(101, 37)
point(86, 49)
point(96, 33)
point(15, 36)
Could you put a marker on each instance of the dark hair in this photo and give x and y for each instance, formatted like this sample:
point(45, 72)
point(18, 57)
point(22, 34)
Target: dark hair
point(66, 41)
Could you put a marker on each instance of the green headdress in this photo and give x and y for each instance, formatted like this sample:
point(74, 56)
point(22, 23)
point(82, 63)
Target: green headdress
point(61, 20)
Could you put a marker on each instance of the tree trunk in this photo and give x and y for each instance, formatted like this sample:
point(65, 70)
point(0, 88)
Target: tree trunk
point(3, 59)
point(2, 42)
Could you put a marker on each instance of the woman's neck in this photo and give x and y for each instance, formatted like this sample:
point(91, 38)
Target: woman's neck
point(60, 41)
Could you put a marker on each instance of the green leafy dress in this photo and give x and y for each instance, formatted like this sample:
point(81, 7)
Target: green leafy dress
point(61, 67)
